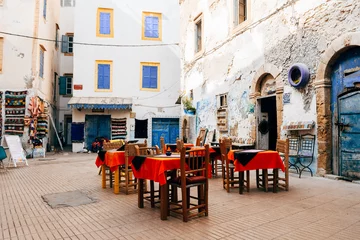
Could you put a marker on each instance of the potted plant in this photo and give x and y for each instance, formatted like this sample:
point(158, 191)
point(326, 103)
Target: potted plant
point(188, 107)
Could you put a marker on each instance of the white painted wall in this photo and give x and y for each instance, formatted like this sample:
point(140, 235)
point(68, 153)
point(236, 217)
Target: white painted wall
point(66, 63)
point(126, 60)
point(16, 16)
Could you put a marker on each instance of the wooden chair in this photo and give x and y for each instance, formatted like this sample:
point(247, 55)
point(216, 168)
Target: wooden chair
point(193, 173)
point(127, 181)
point(267, 179)
point(228, 175)
point(149, 195)
point(228, 145)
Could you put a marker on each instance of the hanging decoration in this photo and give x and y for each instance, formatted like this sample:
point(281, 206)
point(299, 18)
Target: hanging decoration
point(15, 112)
point(118, 128)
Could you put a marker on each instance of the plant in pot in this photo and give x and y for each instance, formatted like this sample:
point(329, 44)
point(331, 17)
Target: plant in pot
point(188, 107)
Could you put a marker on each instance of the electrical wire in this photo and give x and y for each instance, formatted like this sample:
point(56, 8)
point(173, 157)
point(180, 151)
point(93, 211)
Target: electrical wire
point(91, 44)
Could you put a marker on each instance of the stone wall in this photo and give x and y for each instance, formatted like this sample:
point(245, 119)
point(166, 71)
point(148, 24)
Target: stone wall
point(279, 33)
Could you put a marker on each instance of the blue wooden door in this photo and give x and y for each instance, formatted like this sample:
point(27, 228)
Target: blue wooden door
point(96, 126)
point(168, 128)
point(345, 108)
point(349, 126)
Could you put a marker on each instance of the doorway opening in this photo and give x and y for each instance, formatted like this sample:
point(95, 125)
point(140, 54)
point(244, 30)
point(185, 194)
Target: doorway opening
point(267, 123)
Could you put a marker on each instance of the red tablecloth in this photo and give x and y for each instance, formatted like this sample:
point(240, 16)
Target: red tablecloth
point(113, 159)
point(262, 160)
point(154, 168)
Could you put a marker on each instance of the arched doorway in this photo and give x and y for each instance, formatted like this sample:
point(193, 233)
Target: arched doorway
point(345, 109)
point(267, 91)
point(334, 66)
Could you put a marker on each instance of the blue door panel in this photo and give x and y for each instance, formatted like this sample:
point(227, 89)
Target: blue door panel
point(168, 128)
point(96, 126)
point(345, 110)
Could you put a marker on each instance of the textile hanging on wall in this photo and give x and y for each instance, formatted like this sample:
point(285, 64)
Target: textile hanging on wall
point(15, 112)
point(77, 132)
point(42, 126)
point(118, 128)
point(141, 128)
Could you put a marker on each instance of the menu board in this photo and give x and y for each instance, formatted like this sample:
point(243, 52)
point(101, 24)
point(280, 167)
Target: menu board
point(16, 151)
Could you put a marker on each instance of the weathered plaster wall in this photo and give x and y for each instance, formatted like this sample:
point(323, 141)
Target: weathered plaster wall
point(279, 32)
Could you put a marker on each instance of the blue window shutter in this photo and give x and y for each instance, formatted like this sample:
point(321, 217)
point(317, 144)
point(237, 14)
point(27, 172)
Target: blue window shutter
point(100, 84)
point(153, 77)
point(146, 77)
point(62, 87)
point(107, 76)
point(151, 27)
point(104, 23)
point(155, 27)
point(44, 10)
point(41, 70)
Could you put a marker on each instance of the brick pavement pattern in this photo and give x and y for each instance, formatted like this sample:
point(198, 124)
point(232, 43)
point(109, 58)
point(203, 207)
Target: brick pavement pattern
point(314, 208)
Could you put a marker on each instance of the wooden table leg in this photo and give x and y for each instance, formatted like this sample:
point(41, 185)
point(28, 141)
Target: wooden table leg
point(141, 193)
point(103, 176)
point(275, 183)
point(265, 181)
point(164, 197)
point(116, 181)
point(241, 182)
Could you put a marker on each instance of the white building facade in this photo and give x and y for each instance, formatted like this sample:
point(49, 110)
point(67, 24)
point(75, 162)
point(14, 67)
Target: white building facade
point(28, 66)
point(238, 57)
point(126, 71)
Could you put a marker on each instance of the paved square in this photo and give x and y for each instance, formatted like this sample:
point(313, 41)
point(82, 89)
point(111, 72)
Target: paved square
point(314, 208)
point(67, 199)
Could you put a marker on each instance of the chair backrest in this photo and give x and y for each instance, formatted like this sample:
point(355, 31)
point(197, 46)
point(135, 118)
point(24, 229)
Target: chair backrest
point(307, 144)
point(194, 162)
point(112, 145)
point(179, 145)
point(227, 142)
point(223, 151)
point(293, 145)
point(162, 145)
point(147, 150)
point(282, 146)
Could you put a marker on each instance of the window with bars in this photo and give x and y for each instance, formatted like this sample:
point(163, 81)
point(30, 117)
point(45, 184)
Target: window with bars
point(198, 34)
point(240, 11)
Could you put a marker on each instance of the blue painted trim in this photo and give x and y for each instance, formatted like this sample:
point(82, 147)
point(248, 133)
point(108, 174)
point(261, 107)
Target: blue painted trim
point(101, 106)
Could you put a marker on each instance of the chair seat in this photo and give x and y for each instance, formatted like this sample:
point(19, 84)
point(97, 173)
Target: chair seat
point(189, 180)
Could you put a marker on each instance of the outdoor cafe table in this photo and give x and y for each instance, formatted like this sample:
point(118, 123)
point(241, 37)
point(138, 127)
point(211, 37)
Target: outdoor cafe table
point(155, 168)
point(111, 159)
point(255, 160)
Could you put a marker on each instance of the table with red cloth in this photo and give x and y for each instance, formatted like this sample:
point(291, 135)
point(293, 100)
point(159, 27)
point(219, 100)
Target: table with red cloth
point(112, 159)
point(262, 159)
point(155, 168)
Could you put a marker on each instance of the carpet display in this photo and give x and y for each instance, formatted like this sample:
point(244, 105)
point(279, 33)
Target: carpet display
point(118, 128)
point(15, 112)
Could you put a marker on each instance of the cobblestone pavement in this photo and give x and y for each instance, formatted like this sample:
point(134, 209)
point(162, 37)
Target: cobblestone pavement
point(314, 208)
